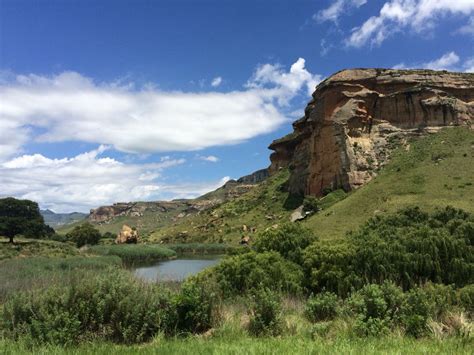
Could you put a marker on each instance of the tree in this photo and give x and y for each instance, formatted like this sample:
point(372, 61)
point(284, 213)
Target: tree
point(84, 234)
point(22, 217)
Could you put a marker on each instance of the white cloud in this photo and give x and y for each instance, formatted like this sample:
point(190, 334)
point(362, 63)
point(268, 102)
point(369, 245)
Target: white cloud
point(448, 61)
point(467, 29)
point(210, 158)
point(90, 180)
point(216, 81)
point(398, 15)
point(81, 182)
point(337, 9)
point(284, 86)
point(71, 107)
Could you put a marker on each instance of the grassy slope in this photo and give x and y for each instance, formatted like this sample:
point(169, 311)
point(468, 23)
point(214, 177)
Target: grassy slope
point(436, 171)
point(261, 207)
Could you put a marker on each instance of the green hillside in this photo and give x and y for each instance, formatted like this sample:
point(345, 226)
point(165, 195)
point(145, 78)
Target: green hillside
point(433, 171)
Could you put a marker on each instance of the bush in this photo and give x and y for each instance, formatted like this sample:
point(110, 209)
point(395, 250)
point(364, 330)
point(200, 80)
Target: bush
point(321, 307)
point(311, 204)
point(265, 313)
point(290, 239)
point(415, 312)
point(408, 248)
point(240, 274)
point(84, 234)
point(196, 308)
point(113, 307)
point(375, 308)
point(466, 298)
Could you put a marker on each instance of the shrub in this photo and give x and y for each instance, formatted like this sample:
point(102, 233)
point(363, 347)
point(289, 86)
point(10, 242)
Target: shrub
point(311, 204)
point(112, 307)
point(415, 312)
point(409, 248)
point(240, 274)
point(290, 239)
point(321, 307)
point(84, 234)
point(375, 308)
point(466, 298)
point(196, 308)
point(265, 313)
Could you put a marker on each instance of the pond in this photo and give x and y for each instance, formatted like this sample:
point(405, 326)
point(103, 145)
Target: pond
point(177, 269)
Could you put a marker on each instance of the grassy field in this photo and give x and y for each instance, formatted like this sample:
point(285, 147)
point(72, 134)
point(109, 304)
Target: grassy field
point(35, 247)
point(436, 171)
point(248, 345)
point(23, 274)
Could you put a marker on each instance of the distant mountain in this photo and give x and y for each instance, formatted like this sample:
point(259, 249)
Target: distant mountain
point(60, 219)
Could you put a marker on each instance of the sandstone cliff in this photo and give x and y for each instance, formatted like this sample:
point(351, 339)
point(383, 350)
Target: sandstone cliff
point(357, 116)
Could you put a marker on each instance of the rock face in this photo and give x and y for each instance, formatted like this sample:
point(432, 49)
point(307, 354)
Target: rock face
point(357, 116)
point(127, 235)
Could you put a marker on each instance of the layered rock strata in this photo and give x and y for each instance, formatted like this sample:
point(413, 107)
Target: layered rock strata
point(357, 116)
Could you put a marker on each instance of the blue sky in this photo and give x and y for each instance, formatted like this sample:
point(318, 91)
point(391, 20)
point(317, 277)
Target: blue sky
point(106, 101)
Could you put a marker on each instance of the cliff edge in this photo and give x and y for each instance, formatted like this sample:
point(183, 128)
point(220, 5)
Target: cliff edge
point(357, 116)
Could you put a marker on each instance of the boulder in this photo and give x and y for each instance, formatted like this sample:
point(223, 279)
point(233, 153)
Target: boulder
point(127, 235)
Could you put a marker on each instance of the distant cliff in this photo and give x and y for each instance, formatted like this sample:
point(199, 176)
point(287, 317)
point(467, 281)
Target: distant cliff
point(357, 116)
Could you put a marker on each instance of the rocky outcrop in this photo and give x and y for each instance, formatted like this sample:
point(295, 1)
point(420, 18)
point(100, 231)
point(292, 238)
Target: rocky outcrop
point(357, 116)
point(127, 235)
point(254, 178)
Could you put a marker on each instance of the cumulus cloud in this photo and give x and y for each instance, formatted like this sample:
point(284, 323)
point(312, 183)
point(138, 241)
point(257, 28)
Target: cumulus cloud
point(216, 81)
point(337, 9)
point(72, 107)
point(398, 15)
point(448, 61)
point(210, 158)
point(90, 180)
point(283, 86)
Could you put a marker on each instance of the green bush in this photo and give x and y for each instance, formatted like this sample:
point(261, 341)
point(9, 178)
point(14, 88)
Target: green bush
point(196, 308)
point(466, 298)
point(375, 308)
point(322, 306)
point(311, 204)
point(113, 307)
point(84, 234)
point(289, 239)
point(242, 273)
point(416, 309)
point(409, 248)
point(265, 313)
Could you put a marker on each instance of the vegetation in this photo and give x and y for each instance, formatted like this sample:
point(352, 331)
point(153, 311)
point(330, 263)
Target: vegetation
point(200, 248)
point(410, 247)
point(22, 217)
point(133, 254)
point(290, 240)
point(433, 172)
point(23, 274)
point(84, 234)
point(24, 248)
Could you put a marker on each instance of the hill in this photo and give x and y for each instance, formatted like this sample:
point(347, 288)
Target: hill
point(55, 220)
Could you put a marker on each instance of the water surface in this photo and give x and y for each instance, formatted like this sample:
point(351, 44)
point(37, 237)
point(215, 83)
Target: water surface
point(177, 269)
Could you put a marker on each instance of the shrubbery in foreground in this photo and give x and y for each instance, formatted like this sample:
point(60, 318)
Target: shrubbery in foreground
point(113, 307)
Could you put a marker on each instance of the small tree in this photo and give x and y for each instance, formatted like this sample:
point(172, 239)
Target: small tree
point(84, 234)
point(22, 217)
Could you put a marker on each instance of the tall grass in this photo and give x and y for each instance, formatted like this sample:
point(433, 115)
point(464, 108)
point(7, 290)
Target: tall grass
point(200, 248)
point(41, 272)
point(133, 254)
